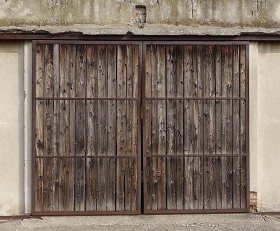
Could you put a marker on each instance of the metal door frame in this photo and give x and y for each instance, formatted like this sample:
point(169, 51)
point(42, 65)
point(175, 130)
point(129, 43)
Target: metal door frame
point(141, 142)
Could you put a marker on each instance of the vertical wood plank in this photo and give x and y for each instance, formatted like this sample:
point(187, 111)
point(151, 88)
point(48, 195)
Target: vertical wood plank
point(209, 130)
point(135, 129)
point(121, 127)
point(198, 113)
point(190, 123)
point(102, 131)
point(66, 140)
point(155, 125)
point(171, 124)
point(243, 71)
point(236, 127)
point(63, 147)
point(92, 136)
point(72, 121)
point(129, 121)
point(39, 124)
point(243, 173)
point(243, 125)
point(218, 112)
point(71, 91)
point(179, 128)
point(147, 131)
point(161, 121)
point(50, 166)
point(40, 72)
point(40, 69)
point(80, 128)
point(112, 126)
point(227, 126)
point(224, 124)
point(56, 122)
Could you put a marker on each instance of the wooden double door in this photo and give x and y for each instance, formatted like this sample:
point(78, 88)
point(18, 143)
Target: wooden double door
point(131, 127)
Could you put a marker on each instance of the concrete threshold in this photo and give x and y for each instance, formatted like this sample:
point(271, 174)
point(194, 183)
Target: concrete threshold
point(147, 222)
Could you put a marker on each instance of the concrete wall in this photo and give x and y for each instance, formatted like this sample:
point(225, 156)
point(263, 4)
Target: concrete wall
point(162, 16)
point(15, 126)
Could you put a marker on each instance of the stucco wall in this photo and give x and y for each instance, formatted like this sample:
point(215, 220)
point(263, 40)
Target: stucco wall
point(11, 121)
point(162, 16)
point(253, 106)
point(268, 134)
point(15, 126)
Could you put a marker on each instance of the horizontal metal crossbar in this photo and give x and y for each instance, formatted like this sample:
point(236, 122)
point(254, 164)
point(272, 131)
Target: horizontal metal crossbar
point(76, 157)
point(87, 98)
point(200, 98)
point(201, 155)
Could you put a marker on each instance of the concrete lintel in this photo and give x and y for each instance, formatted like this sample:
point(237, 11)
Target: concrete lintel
point(147, 29)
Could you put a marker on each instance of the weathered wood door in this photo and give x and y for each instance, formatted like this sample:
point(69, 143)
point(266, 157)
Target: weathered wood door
point(86, 106)
point(195, 128)
point(96, 105)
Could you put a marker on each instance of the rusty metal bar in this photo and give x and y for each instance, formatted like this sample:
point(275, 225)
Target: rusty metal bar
point(196, 211)
point(79, 157)
point(71, 98)
point(139, 170)
point(197, 155)
point(200, 98)
point(84, 213)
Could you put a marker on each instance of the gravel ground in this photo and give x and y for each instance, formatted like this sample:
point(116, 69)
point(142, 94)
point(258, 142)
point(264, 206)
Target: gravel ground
point(244, 222)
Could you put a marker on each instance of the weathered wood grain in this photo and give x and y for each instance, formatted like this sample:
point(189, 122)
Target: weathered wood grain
point(56, 103)
point(80, 140)
point(40, 82)
point(198, 114)
point(190, 123)
point(66, 166)
point(243, 125)
point(227, 126)
point(147, 130)
point(39, 125)
point(161, 121)
point(112, 126)
point(209, 129)
point(129, 123)
point(242, 70)
point(49, 166)
point(179, 128)
point(91, 125)
point(102, 130)
point(218, 122)
point(235, 129)
point(154, 125)
point(171, 126)
point(135, 134)
point(121, 127)
point(243, 161)
point(243, 183)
